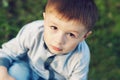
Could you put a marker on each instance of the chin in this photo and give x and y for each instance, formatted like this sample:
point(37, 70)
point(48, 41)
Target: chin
point(55, 52)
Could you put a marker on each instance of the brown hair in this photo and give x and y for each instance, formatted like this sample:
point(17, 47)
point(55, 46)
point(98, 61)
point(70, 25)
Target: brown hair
point(84, 11)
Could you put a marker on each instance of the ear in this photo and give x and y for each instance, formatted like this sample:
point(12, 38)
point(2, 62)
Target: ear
point(87, 34)
point(44, 15)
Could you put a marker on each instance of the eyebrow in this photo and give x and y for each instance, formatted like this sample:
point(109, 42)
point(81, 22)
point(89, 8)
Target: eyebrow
point(54, 23)
point(69, 30)
point(74, 31)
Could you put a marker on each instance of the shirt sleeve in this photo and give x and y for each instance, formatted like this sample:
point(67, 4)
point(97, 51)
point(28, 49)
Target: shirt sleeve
point(81, 69)
point(80, 72)
point(19, 45)
point(4, 62)
point(13, 48)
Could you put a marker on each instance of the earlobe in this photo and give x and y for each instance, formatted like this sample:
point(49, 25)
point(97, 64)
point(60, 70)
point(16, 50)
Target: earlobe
point(87, 34)
point(44, 15)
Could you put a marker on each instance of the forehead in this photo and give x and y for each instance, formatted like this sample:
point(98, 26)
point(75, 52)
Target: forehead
point(60, 21)
point(53, 10)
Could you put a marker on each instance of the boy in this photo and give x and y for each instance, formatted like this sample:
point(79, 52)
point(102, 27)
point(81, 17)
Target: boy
point(53, 49)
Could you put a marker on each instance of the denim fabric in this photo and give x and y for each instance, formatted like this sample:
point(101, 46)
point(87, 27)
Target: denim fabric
point(20, 71)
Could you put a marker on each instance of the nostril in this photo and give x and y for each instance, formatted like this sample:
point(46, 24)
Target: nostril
point(60, 41)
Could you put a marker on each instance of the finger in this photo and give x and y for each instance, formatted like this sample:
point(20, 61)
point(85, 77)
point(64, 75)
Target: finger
point(11, 78)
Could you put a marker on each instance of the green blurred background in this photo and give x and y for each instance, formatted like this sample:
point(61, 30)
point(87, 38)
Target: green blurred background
point(104, 42)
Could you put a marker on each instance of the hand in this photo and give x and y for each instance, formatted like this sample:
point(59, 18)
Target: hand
point(4, 74)
point(6, 77)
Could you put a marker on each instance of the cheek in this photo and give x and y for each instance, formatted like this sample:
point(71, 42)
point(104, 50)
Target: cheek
point(71, 46)
point(47, 36)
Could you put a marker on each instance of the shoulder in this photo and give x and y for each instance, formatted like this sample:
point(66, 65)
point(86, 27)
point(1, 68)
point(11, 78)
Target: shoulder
point(83, 47)
point(79, 61)
point(30, 33)
point(82, 52)
point(31, 30)
point(34, 25)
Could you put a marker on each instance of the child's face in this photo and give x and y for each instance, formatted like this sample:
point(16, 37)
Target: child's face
point(62, 36)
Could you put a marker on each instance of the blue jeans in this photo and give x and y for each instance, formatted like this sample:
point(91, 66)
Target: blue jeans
point(21, 71)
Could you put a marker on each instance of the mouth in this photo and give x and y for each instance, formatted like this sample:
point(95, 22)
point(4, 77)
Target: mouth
point(56, 48)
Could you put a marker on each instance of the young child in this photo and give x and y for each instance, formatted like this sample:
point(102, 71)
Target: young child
point(53, 49)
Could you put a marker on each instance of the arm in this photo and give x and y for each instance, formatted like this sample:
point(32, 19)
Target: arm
point(17, 47)
point(13, 49)
point(9, 52)
point(4, 74)
point(80, 71)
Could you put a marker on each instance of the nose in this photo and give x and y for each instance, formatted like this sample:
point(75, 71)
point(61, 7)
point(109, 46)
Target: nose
point(60, 38)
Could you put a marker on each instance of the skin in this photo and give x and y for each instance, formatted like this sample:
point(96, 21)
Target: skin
point(62, 36)
point(4, 74)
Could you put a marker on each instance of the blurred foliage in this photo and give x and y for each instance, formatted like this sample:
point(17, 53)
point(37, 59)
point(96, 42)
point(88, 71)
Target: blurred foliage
point(104, 42)
point(15, 13)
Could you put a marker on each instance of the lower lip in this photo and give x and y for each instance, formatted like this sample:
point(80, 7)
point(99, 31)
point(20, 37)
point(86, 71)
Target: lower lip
point(56, 49)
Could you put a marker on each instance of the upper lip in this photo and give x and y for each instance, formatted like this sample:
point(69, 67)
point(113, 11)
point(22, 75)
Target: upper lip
point(56, 48)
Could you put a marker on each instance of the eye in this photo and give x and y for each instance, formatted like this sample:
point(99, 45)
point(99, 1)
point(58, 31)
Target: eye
point(71, 35)
point(53, 27)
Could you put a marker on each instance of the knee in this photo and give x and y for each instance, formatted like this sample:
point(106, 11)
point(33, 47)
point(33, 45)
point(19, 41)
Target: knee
point(20, 71)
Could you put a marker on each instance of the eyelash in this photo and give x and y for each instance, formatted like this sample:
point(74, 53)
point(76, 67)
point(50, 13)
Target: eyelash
point(53, 27)
point(71, 35)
